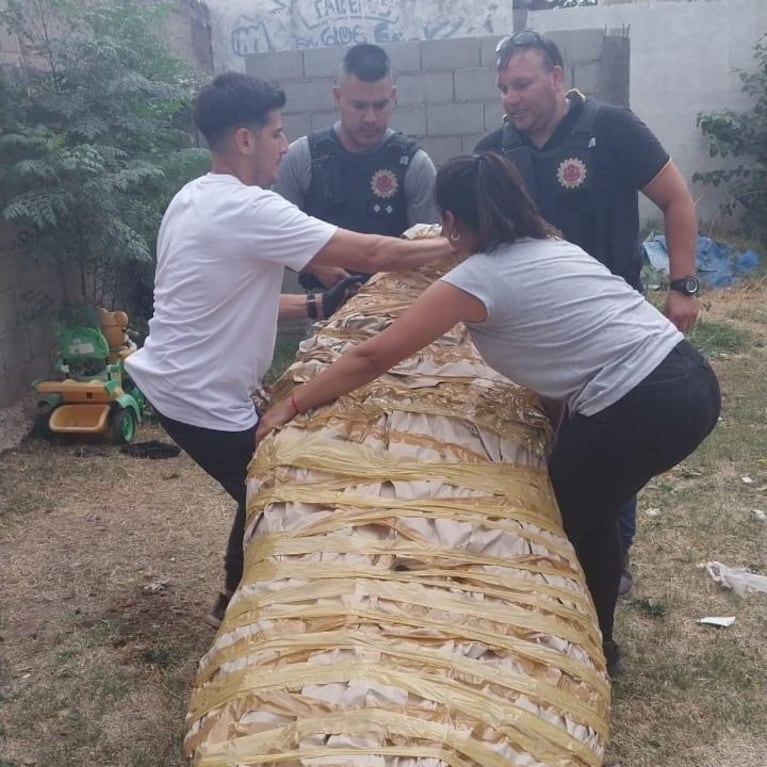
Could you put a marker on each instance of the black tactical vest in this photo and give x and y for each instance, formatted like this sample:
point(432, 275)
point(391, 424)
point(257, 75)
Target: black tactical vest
point(364, 192)
point(583, 198)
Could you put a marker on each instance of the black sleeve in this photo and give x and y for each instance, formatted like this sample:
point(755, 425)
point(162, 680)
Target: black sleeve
point(490, 143)
point(636, 154)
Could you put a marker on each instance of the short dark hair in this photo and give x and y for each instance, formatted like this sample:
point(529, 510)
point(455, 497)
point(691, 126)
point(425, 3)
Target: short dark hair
point(511, 45)
point(366, 62)
point(486, 193)
point(232, 100)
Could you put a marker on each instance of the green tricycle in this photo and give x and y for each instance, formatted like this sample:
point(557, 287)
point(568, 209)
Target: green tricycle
point(92, 393)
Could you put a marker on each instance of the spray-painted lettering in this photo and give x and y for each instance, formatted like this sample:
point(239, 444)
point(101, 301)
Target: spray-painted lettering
point(293, 24)
point(333, 9)
point(251, 38)
point(341, 34)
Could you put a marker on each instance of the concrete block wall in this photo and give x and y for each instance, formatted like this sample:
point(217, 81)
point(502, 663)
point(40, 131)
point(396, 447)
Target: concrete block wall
point(446, 94)
point(26, 334)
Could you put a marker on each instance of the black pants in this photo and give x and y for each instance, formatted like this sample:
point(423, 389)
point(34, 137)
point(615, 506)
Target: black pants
point(600, 461)
point(225, 456)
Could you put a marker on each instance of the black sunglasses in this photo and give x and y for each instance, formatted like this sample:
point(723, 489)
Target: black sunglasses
point(527, 39)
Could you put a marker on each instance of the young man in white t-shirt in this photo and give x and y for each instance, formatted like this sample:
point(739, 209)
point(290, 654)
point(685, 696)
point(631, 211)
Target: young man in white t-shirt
point(223, 244)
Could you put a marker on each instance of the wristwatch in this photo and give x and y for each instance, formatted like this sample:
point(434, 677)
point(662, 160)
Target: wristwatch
point(688, 286)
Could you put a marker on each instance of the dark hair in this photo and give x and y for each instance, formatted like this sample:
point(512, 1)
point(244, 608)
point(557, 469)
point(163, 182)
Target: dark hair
point(485, 192)
point(509, 46)
point(366, 62)
point(232, 100)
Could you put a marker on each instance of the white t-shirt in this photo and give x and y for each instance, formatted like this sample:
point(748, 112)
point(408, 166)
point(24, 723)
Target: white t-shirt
point(561, 324)
point(221, 251)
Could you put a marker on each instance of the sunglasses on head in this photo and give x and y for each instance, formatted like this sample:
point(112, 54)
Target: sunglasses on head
point(527, 39)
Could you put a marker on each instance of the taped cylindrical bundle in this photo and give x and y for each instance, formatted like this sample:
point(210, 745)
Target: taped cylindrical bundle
point(409, 598)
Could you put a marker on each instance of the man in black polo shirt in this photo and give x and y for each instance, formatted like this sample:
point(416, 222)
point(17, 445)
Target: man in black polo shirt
point(584, 163)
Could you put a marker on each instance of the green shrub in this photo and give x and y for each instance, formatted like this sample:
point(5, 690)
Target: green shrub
point(732, 134)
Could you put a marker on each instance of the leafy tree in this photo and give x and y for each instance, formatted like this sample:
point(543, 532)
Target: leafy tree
point(96, 137)
point(732, 134)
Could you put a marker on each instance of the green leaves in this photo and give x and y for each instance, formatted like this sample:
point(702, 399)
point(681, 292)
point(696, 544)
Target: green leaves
point(95, 141)
point(732, 135)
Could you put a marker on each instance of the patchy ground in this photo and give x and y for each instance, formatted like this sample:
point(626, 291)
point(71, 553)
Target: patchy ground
point(109, 564)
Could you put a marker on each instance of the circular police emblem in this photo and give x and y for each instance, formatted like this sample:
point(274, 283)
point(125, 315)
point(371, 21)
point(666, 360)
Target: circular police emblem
point(571, 173)
point(384, 183)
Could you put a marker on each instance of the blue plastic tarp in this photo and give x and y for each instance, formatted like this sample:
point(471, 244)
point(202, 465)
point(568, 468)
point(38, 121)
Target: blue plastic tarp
point(717, 264)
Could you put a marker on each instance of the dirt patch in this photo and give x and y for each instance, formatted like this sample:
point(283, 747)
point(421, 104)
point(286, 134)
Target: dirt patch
point(109, 564)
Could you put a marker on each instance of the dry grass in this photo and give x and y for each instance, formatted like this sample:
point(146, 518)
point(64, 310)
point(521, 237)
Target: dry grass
point(98, 654)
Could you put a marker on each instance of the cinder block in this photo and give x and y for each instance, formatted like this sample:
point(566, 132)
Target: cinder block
point(39, 367)
point(296, 125)
point(41, 339)
point(441, 148)
point(14, 385)
point(493, 115)
point(9, 275)
point(585, 77)
point(615, 71)
point(405, 57)
point(8, 311)
point(276, 65)
point(450, 54)
point(308, 96)
point(579, 45)
point(322, 120)
point(40, 276)
point(323, 62)
point(425, 87)
point(469, 141)
point(452, 119)
point(14, 348)
point(410, 120)
point(487, 45)
point(475, 84)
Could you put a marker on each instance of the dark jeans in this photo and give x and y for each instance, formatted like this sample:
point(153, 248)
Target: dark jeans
point(600, 461)
point(225, 456)
point(627, 523)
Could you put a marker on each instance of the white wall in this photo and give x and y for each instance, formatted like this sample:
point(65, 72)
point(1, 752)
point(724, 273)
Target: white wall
point(684, 60)
point(241, 27)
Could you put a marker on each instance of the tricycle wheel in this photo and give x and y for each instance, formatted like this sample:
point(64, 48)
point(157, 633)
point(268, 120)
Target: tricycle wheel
point(122, 424)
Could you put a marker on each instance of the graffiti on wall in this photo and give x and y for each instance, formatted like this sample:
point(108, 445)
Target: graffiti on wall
point(274, 25)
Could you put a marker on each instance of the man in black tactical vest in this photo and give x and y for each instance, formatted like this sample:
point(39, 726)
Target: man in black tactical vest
point(360, 174)
point(584, 163)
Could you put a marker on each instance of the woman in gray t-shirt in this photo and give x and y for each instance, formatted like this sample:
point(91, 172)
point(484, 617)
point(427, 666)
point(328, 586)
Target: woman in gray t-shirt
point(639, 399)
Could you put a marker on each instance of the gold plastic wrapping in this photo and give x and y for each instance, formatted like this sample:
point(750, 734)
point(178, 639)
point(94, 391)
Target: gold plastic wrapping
point(409, 598)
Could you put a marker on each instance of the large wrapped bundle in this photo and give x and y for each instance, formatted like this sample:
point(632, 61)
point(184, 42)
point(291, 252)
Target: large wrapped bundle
point(409, 598)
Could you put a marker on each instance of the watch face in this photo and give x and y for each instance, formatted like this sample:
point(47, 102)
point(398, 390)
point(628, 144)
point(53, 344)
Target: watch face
point(689, 286)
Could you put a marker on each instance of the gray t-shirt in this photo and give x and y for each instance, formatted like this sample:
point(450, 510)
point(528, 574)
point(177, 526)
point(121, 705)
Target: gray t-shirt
point(295, 175)
point(561, 324)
